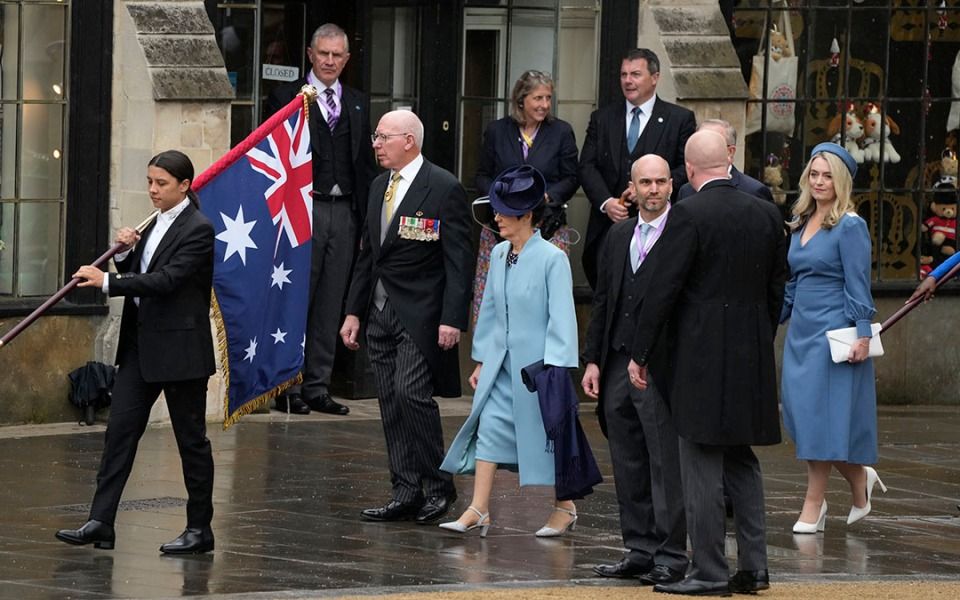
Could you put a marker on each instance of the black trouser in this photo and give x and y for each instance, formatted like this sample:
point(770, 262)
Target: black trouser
point(129, 412)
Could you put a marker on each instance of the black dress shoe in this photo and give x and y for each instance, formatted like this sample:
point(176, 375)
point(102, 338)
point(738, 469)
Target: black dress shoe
point(392, 511)
point(621, 570)
point(661, 574)
point(434, 508)
point(191, 541)
point(750, 582)
point(694, 587)
point(98, 533)
point(326, 404)
point(291, 403)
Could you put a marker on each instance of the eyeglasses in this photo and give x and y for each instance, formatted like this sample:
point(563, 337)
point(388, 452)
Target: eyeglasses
point(382, 137)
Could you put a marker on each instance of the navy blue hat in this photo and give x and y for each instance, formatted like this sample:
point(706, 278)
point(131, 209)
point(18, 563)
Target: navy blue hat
point(838, 151)
point(517, 191)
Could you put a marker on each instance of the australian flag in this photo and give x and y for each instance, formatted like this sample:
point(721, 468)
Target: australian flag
point(259, 202)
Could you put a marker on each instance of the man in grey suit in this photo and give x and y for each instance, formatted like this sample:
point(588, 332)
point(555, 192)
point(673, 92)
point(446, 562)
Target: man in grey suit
point(740, 180)
point(720, 270)
point(643, 439)
point(412, 286)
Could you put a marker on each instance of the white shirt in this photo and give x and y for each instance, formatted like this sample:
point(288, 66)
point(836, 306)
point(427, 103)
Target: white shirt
point(646, 109)
point(152, 242)
point(313, 80)
point(714, 179)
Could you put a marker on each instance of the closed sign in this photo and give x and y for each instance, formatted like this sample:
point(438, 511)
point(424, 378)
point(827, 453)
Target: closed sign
point(280, 73)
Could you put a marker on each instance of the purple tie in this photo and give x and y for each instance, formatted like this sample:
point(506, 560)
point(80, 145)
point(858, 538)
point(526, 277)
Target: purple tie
point(332, 115)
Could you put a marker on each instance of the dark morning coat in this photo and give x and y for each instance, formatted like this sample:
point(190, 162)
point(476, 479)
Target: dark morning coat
point(554, 154)
point(605, 166)
point(741, 181)
point(428, 283)
point(172, 323)
point(353, 104)
point(720, 271)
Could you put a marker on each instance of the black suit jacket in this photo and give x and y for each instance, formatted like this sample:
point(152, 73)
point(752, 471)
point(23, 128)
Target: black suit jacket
point(172, 324)
point(554, 154)
point(354, 105)
point(429, 283)
point(741, 181)
point(614, 253)
point(720, 271)
point(605, 171)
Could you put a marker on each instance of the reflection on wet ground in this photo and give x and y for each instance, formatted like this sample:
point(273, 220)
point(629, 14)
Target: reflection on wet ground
point(289, 491)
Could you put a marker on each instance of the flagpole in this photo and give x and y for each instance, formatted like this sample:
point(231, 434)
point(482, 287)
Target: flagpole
point(306, 96)
point(26, 322)
point(912, 304)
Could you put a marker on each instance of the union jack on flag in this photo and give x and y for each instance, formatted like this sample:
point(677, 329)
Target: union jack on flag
point(258, 199)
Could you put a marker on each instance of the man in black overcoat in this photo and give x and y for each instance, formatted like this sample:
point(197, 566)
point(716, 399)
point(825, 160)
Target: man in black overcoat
point(740, 180)
point(720, 269)
point(412, 287)
point(343, 166)
point(619, 134)
point(642, 437)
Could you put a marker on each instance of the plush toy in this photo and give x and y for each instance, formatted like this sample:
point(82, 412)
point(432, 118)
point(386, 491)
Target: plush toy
point(773, 177)
point(941, 226)
point(779, 46)
point(853, 129)
point(877, 129)
point(948, 167)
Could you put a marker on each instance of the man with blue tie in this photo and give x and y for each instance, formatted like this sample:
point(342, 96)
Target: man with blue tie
point(642, 437)
point(618, 135)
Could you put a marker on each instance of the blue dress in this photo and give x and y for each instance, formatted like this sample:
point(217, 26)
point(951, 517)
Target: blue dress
point(829, 409)
point(526, 315)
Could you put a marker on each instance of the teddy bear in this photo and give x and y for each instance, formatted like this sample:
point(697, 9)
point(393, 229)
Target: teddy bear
point(853, 132)
point(877, 129)
point(948, 167)
point(773, 177)
point(941, 226)
point(779, 45)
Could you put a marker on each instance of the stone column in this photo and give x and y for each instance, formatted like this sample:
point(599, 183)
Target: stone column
point(699, 68)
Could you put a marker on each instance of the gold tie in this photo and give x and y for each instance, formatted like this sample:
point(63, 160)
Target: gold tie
point(388, 197)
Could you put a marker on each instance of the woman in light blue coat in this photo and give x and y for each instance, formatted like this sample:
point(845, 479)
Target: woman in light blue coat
point(526, 315)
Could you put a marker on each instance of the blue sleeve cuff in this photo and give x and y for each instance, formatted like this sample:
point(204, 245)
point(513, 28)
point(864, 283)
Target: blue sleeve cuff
point(863, 328)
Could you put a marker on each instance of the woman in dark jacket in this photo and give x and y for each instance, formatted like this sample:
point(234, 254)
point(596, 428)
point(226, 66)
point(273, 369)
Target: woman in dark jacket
point(530, 135)
point(165, 345)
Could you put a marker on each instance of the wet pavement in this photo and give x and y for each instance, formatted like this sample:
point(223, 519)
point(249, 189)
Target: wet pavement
point(289, 490)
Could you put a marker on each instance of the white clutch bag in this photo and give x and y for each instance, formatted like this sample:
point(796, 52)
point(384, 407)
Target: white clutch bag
point(842, 339)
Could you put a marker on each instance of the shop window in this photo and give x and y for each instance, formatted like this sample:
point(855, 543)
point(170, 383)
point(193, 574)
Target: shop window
point(503, 39)
point(33, 101)
point(894, 63)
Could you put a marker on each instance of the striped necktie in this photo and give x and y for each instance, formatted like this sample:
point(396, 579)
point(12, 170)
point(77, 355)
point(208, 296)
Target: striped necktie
point(388, 197)
point(332, 116)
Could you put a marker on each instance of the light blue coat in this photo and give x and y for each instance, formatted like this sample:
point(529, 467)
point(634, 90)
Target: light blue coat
point(542, 326)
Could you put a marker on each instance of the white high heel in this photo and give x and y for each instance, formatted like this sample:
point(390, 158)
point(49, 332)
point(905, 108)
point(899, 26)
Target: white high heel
point(858, 513)
point(802, 527)
point(483, 524)
point(551, 532)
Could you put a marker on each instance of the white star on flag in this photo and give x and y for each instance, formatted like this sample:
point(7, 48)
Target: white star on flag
point(279, 337)
point(251, 350)
point(303, 344)
point(279, 276)
point(237, 236)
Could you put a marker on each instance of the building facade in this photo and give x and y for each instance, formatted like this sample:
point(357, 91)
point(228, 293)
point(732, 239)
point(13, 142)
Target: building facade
point(88, 95)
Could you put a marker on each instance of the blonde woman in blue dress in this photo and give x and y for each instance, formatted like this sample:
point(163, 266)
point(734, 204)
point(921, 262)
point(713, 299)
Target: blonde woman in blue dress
point(829, 409)
point(526, 315)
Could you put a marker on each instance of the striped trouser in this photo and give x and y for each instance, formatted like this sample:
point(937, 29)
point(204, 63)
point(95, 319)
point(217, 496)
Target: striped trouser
point(410, 415)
